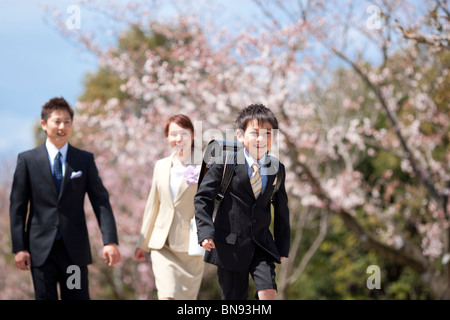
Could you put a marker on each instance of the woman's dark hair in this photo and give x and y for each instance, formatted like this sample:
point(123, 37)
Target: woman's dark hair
point(257, 112)
point(181, 120)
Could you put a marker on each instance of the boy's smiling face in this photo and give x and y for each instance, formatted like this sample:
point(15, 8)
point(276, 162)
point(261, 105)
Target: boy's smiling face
point(257, 138)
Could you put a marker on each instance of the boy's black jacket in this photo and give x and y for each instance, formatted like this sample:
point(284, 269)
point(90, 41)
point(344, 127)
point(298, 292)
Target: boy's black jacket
point(242, 221)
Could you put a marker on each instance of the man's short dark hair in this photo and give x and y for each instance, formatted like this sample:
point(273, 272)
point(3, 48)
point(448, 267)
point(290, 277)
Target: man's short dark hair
point(256, 111)
point(55, 104)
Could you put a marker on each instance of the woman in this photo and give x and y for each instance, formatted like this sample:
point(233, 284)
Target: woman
point(167, 215)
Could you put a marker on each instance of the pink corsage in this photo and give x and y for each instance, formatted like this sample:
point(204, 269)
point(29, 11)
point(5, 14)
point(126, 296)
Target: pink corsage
point(191, 174)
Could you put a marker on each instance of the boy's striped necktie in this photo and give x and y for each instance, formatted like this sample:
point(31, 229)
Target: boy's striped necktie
point(255, 180)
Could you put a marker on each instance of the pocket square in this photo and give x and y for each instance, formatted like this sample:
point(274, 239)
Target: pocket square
point(76, 174)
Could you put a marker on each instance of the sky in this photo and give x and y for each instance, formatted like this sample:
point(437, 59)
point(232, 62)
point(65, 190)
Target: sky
point(37, 63)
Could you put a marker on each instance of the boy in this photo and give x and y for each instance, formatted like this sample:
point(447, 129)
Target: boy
point(239, 241)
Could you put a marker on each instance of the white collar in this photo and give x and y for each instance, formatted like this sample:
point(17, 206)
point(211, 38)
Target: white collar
point(250, 160)
point(53, 151)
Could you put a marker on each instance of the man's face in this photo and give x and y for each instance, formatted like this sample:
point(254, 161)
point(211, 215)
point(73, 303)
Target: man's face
point(257, 138)
point(58, 127)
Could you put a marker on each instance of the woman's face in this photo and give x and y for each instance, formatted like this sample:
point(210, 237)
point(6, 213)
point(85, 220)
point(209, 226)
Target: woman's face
point(180, 138)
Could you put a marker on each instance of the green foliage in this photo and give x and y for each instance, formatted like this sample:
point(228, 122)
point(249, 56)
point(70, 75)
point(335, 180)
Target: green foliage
point(338, 271)
point(102, 85)
point(39, 134)
point(135, 39)
point(408, 287)
point(376, 167)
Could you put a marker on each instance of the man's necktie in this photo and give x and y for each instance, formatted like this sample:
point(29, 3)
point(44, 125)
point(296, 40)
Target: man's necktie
point(255, 179)
point(57, 171)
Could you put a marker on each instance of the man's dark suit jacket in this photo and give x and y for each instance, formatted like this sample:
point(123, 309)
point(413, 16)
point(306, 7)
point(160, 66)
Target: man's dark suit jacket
point(241, 220)
point(34, 190)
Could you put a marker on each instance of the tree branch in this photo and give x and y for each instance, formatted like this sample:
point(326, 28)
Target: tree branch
point(419, 172)
point(441, 41)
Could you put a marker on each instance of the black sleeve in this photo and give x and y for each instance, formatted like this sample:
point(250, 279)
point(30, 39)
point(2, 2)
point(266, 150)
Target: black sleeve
point(18, 210)
point(204, 201)
point(99, 198)
point(281, 218)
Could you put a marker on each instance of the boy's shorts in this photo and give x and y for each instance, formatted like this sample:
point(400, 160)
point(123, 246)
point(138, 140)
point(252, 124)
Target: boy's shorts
point(234, 285)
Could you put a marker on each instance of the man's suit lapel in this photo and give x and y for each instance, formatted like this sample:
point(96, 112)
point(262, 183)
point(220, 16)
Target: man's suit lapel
point(44, 164)
point(71, 159)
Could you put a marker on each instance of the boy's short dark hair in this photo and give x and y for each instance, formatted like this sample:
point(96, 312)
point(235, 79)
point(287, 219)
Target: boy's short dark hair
point(55, 104)
point(256, 111)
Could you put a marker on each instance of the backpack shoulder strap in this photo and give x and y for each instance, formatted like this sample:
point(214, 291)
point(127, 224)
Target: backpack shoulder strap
point(228, 168)
point(279, 178)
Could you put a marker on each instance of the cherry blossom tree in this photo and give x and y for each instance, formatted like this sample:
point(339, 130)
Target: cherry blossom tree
point(14, 283)
point(409, 121)
point(362, 100)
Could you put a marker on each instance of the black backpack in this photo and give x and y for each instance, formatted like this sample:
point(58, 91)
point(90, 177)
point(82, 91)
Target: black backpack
point(215, 150)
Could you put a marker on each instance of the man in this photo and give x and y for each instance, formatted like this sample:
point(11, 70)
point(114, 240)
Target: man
point(48, 223)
